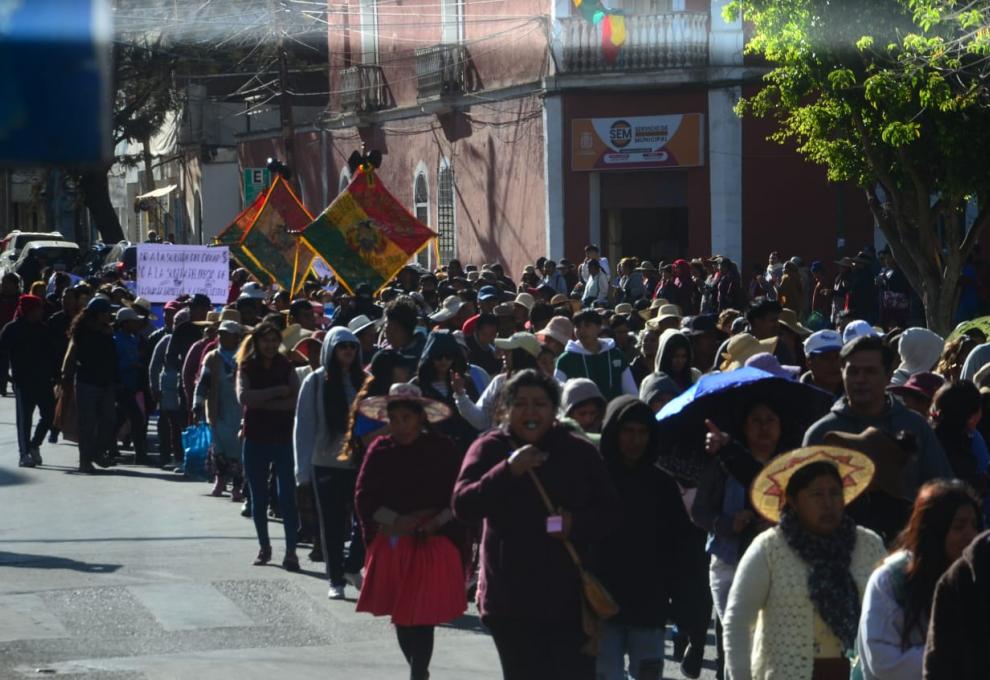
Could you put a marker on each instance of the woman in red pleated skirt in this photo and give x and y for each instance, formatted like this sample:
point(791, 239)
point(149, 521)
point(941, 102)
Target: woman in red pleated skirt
point(413, 569)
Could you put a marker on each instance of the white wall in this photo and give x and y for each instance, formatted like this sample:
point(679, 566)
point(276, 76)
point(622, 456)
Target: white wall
point(221, 196)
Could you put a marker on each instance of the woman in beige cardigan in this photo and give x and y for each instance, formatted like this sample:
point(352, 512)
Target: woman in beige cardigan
point(794, 606)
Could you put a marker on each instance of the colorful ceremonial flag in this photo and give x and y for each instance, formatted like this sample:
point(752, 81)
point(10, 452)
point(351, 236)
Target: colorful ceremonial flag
point(271, 243)
point(231, 237)
point(365, 234)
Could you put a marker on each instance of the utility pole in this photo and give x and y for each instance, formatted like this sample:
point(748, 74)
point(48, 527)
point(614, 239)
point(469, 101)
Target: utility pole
point(285, 101)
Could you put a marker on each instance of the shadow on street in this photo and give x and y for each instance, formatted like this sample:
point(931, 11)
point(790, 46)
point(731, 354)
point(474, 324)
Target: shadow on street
point(25, 560)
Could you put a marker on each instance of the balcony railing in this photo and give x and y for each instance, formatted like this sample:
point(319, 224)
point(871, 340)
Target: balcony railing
point(653, 41)
point(443, 70)
point(362, 89)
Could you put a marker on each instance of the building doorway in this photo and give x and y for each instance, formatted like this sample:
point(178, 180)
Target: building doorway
point(645, 214)
point(654, 234)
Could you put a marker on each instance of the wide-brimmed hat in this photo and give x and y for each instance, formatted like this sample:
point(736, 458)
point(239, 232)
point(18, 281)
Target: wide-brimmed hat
point(768, 490)
point(924, 385)
point(526, 300)
point(143, 307)
point(232, 327)
point(559, 328)
point(361, 322)
point(291, 336)
point(128, 314)
point(252, 290)
point(770, 364)
point(890, 456)
point(504, 309)
point(559, 299)
point(666, 312)
point(743, 346)
point(302, 349)
point(789, 318)
point(521, 340)
point(646, 266)
point(212, 319)
point(624, 308)
point(448, 310)
point(376, 408)
point(655, 304)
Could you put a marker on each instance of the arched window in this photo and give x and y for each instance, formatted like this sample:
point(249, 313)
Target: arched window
point(421, 208)
point(446, 223)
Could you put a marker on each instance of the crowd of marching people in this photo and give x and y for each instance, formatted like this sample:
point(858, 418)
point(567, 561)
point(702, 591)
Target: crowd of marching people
point(589, 454)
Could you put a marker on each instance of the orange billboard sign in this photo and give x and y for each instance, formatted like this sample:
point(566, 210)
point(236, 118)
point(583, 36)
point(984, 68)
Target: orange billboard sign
point(637, 142)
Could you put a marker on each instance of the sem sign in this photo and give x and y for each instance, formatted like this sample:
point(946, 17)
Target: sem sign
point(637, 142)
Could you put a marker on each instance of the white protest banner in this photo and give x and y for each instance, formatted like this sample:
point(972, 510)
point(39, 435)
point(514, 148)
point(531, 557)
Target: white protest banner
point(165, 272)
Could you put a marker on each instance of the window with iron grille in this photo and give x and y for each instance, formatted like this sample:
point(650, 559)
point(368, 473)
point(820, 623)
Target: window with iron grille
point(446, 227)
point(421, 206)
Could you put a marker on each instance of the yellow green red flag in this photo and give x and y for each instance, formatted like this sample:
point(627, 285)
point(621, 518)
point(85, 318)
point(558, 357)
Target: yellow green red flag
point(271, 242)
point(233, 233)
point(366, 235)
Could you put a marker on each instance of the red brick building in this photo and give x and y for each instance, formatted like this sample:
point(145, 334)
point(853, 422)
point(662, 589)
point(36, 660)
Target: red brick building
point(507, 128)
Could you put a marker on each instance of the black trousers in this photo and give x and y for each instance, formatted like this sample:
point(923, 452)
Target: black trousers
point(334, 491)
point(416, 643)
point(27, 400)
point(130, 411)
point(540, 650)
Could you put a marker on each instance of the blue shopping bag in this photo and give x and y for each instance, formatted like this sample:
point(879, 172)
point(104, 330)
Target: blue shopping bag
point(196, 442)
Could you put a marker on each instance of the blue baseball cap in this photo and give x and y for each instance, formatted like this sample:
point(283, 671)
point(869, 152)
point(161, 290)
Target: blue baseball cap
point(487, 293)
point(99, 305)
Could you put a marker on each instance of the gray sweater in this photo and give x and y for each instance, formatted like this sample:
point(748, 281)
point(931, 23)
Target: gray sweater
point(930, 463)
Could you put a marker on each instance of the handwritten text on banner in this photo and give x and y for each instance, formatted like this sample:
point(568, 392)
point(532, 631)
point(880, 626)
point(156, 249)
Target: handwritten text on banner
point(165, 272)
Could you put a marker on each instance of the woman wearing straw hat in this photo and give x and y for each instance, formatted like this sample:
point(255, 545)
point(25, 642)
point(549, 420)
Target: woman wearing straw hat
point(413, 570)
point(794, 605)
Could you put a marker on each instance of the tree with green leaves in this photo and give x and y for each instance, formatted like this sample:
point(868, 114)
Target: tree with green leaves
point(893, 95)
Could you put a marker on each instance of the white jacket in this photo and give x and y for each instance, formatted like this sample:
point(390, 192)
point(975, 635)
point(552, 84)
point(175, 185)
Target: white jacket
point(880, 626)
point(768, 630)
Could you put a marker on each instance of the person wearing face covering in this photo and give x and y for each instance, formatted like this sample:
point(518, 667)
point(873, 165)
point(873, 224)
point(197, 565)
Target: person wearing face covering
point(319, 437)
point(920, 350)
point(636, 563)
point(440, 367)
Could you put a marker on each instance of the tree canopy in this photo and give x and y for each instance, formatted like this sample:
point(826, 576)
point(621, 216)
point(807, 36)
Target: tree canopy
point(892, 95)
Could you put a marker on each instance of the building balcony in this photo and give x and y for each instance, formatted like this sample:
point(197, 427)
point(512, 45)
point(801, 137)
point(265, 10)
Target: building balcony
point(363, 89)
point(653, 41)
point(444, 71)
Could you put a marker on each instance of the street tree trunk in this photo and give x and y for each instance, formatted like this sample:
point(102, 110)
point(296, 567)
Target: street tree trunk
point(96, 198)
point(931, 262)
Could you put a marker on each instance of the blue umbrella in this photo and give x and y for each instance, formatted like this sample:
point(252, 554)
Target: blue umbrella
point(722, 398)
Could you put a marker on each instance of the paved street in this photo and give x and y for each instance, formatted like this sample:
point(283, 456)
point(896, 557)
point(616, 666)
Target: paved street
point(137, 573)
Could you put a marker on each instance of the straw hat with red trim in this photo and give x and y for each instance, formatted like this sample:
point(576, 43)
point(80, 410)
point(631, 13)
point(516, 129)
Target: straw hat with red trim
point(376, 408)
point(768, 490)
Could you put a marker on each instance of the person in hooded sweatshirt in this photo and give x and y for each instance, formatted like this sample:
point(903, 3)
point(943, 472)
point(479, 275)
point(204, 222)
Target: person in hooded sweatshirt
point(867, 363)
point(597, 359)
point(637, 563)
point(674, 358)
point(320, 436)
point(920, 350)
point(441, 364)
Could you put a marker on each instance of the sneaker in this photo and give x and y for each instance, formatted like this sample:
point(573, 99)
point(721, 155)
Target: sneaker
point(354, 580)
point(35, 453)
point(335, 593)
point(26, 461)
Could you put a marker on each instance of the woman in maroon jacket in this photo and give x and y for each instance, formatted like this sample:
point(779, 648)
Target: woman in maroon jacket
point(529, 591)
point(413, 569)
